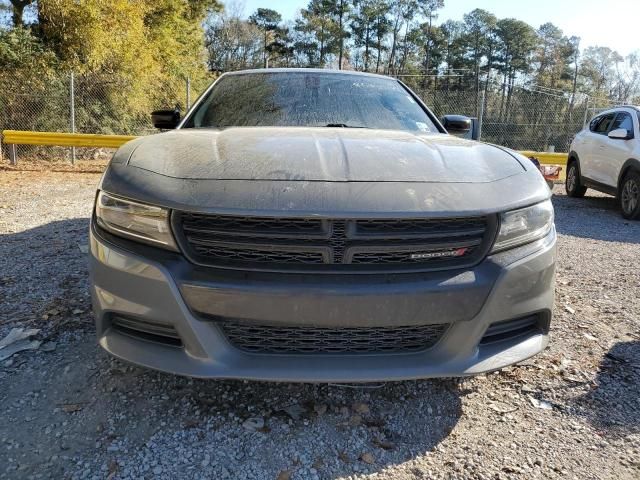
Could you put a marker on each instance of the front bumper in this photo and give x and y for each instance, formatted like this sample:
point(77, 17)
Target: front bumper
point(162, 288)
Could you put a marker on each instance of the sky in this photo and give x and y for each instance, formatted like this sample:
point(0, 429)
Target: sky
point(612, 24)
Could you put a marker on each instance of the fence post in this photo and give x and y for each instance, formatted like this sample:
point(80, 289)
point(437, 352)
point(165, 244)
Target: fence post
point(188, 93)
point(586, 113)
point(481, 115)
point(72, 115)
point(13, 154)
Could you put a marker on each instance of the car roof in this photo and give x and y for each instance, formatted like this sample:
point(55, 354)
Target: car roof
point(617, 109)
point(307, 70)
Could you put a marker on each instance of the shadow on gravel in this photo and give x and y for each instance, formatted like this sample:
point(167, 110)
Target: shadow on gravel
point(96, 410)
point(310, 429)
point(44, 269)
point(612, 404)
point(597, 218)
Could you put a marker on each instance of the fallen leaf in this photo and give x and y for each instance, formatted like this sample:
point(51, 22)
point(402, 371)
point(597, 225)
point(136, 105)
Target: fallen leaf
point(320, 409)
point(361, 408)
point(295, 411)
point(375, 422)
point(541, 404)
point(253, 423)
point(284, 475)
point(384, 444)
point(72, 407)
point(502, 410)
point(48, 346)
point(355, 421)
point(191, 423)
point(113, 468)
point(367, 458)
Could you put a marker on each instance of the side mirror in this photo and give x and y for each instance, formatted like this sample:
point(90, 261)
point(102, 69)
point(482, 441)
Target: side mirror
point(461, 126)
point(620, 134)
point(165, 119)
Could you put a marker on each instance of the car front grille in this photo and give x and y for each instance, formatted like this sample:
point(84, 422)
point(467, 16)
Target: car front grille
point(321, 340)
point(333, 245)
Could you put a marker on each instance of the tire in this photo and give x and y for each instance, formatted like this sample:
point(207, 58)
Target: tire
point(630, 195)
point(572, 184)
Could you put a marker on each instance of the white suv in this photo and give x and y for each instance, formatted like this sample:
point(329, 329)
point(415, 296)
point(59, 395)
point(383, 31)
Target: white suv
point(605, 156)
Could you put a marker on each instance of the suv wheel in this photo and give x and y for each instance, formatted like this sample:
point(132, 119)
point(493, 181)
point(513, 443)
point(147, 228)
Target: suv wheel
point(630, 196)
point(572, 183)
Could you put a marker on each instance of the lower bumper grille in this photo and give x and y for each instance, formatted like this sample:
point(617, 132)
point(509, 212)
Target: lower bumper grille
point(529, 325)
point(308, 340)
point(143, 330)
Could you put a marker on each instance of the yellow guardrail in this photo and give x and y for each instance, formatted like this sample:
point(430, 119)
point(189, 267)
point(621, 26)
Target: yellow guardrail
point(547, 158)
point(20, 137)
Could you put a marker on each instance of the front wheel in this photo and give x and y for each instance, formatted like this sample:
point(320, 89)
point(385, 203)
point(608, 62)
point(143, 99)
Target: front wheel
point(630, 196)
point(572, 184)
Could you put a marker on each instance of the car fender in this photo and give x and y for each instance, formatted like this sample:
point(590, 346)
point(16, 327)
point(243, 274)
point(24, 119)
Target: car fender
point(573, 156)
point(630, 164)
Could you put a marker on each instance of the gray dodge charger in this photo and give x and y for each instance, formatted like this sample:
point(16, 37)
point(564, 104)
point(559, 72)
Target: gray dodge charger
point(320, 226)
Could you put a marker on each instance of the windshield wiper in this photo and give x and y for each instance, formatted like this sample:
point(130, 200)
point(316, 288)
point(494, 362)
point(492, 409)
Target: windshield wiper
point(342, 125)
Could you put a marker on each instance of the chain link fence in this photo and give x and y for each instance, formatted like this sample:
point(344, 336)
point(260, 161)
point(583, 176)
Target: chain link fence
point(519, 117)
point(98, 104)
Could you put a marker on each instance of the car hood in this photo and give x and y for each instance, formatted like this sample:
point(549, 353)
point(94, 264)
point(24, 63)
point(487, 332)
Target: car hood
point(320, 154)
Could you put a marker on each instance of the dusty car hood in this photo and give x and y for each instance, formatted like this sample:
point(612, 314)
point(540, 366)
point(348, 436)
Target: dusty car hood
point(321, 154)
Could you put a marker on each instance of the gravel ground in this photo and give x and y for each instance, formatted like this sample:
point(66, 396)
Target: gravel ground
point(73, 412)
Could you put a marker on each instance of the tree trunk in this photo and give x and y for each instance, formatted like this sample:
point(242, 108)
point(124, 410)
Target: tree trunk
point(366, 49)
point(264, 49)
point(394, 41)
point(573, 89)
point(428, 47)
point(476, 60)
point(18, 7)
point(486, 83)
point(322, 45)
point(341, 51)
point(405, 50)
point(378, 47)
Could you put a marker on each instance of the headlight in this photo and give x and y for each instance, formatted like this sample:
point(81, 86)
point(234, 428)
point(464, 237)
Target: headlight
point(526, 225)
point(125, 218)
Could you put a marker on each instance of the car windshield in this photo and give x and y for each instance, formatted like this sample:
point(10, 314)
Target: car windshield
point(313, 99)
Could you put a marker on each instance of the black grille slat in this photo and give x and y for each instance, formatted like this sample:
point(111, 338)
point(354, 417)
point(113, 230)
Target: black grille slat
point(322, 340)
point(332, 245)
point(230, 253)
point(425, 228)
point(193, 222)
